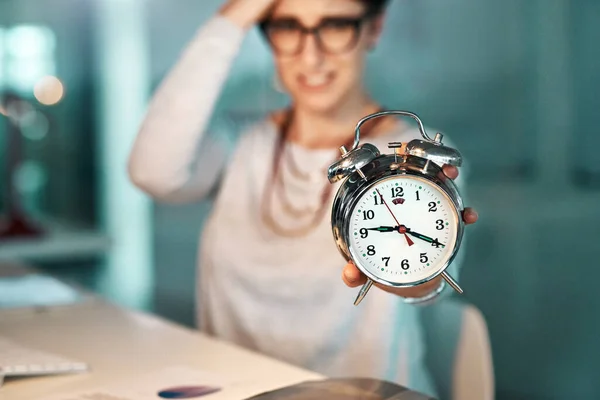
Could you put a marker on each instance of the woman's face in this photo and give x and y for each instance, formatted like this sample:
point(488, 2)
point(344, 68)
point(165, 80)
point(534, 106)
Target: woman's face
point(321, 71)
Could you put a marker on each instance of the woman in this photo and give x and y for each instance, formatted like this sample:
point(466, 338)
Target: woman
point(269, 269)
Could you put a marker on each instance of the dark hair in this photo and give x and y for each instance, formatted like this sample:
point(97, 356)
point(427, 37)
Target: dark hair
point(375, 7)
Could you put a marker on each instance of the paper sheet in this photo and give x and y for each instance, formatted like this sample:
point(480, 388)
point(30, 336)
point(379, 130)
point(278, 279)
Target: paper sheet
point(170, 383)
point(187, 383)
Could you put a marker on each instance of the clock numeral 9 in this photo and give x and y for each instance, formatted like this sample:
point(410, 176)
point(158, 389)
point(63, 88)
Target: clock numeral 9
point(397, 191)
point(369, 214)
point(371, 250)
point(364, 233)
point(386, 259)
point(432, 207)
point(439, 224)
point(424, 258)
point(405, 265)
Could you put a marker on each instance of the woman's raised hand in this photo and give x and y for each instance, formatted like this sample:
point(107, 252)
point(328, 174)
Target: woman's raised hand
point(246, 13)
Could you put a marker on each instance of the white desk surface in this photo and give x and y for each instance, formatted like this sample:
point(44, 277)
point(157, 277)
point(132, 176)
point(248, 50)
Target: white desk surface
point(120, 344)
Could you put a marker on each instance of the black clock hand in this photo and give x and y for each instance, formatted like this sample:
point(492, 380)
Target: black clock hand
point(383, 229)
point(435, 242)
point(403, 229)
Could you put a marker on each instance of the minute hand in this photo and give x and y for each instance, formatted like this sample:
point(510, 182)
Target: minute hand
point(423, 237)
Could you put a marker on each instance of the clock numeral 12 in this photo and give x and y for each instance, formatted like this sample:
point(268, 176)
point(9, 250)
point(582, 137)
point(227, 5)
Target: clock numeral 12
point(397, 191)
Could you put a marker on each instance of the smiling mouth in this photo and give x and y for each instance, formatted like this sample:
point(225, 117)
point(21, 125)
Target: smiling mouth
point(315, 82)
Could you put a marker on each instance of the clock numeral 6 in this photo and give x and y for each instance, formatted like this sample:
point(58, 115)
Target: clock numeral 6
point(371, 250)
point(405, 265)
point(424, 258)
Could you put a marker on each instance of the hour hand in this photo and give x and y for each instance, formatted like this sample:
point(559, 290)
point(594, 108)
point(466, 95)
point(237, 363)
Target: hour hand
point(383, 229)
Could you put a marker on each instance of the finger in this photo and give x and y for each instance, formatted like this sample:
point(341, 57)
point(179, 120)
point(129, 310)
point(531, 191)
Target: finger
point(450, 171)
point(352, 276)
point(470, 216)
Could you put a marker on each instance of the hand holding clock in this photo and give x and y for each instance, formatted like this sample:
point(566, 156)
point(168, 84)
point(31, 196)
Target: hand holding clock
point(352, 276)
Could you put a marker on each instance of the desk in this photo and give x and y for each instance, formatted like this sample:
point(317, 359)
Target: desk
point(119, 343)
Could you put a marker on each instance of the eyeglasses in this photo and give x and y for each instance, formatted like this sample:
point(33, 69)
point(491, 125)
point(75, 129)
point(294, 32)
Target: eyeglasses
point(333, 35)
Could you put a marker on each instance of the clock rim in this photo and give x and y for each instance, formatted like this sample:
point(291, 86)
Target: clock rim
point(384, 166)
point(456, 239)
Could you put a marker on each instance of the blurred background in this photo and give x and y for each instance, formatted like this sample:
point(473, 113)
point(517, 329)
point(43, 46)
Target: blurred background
point(515, 84)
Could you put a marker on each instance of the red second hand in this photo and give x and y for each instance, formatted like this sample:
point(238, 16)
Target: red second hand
point(402, 230)
point(408, 240)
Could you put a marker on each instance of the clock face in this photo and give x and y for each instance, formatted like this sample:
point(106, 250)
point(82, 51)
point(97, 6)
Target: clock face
point(403, 229)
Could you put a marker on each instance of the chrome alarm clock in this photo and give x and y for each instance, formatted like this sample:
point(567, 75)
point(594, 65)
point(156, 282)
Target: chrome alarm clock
point(396, 216)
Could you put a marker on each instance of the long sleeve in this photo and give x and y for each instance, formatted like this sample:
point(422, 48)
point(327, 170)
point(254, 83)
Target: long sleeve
point(173, 157)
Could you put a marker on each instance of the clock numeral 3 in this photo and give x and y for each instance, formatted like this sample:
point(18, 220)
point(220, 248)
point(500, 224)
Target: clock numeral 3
point(386, 259)
point(371, 250)
point(432, 207)
point(439, 224)
point(369, 214)
point(405, 265)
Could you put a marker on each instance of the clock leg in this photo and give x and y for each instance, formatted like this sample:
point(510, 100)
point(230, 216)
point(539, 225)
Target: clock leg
point(452, 282)
point(363, 292)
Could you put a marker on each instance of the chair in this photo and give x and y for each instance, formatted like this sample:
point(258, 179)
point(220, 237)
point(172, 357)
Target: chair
point(459, 354)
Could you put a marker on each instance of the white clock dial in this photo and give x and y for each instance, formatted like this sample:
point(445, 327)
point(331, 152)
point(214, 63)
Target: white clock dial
point(403, 230)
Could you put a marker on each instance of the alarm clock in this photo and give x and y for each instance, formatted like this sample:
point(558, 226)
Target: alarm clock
point(397, 216)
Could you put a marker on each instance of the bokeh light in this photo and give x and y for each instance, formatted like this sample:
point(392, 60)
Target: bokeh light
point(49, 90)
point(30, 177)
point(34, 125)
